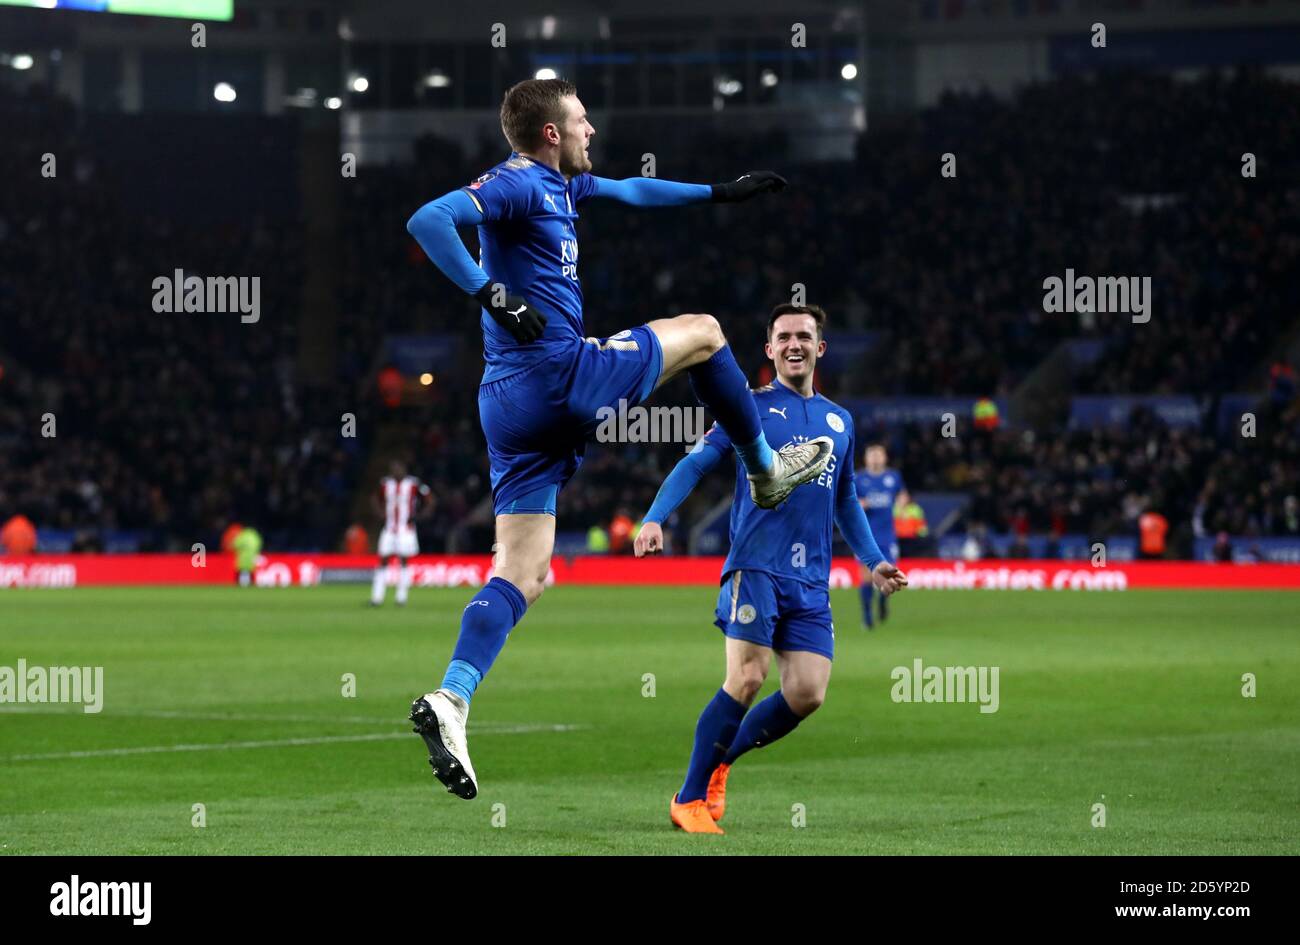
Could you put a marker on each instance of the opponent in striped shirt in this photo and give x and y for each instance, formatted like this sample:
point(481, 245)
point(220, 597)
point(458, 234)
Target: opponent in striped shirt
point(401, 499)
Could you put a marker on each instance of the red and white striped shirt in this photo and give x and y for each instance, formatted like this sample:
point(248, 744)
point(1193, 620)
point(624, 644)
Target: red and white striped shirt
point(400, 497)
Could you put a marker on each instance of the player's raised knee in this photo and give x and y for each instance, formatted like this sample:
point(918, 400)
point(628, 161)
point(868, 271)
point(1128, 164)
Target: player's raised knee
point(707, 333)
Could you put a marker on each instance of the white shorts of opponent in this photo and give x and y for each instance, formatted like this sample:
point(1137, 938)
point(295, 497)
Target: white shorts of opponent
point(398, 542)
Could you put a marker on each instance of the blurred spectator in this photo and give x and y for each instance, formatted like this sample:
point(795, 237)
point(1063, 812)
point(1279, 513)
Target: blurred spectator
point(228, 537)
point(356, 541)
point(976, 545)
point(620, 533)
point(597, 540)
point(909, 520)
point(18, 536)
point(247, 546)
point(390, 387)
point(1152, 528)
point(986, 415)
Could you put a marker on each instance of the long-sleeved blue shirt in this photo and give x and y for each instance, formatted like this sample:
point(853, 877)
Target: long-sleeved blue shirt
point(793, 540)
point(526, 213)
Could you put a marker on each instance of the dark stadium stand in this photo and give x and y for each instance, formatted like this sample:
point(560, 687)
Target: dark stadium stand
point(934, 285)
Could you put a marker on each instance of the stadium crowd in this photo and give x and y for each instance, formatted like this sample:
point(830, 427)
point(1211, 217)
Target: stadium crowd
point(1099, 482)
point(947, 277)
point(116, 418)
point(173, 425)
point(947, 273)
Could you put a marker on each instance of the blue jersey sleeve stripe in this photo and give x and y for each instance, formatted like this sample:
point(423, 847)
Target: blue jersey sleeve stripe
point(470, 194)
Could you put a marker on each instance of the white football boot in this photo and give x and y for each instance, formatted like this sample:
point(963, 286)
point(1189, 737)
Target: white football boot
point(792, 466)
point(439, 719)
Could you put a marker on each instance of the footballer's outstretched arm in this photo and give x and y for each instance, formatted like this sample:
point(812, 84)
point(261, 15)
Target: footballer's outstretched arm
point(652, 192)
point(686, 475)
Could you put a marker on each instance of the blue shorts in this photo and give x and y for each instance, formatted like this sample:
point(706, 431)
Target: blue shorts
point(538, 422)
point(776, 612)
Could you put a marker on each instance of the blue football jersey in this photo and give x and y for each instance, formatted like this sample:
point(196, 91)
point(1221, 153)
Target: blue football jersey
point(529, 243)
point(881, 492)
point(793, 540)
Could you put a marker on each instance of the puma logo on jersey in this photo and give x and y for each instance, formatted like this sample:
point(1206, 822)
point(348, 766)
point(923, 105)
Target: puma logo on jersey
point(549, 200)
point(780, 410)
point(517, 312)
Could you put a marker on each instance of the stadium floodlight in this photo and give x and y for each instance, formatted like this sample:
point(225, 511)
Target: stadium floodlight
point(849, 72)
point(426, 378)
point(22, 62)
point(548, 27)
point(729, 86)
point(223, 92)
point(437, 80)
point(545, 73)
point(358, 83)
point(768, 78)
point(333, 102)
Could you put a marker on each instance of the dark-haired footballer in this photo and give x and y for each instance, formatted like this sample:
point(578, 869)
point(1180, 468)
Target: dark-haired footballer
point(880, 489)
point(775, 582)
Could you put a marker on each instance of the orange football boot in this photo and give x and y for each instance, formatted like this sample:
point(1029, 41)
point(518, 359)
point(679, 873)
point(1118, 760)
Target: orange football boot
point(716, 799)
point(693, 817)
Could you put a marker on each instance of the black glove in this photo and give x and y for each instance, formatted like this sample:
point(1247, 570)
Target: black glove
point(748, 185)
point(516, 316)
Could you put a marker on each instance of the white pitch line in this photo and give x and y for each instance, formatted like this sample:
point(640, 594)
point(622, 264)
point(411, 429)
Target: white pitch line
point(277, 743)
point(204, 716)
point(234, 716)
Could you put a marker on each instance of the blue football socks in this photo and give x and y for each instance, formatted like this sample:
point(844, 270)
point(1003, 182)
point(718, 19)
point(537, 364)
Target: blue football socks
point(765, 723)
point(713, 734)
point(720, 385)
point(487, 621)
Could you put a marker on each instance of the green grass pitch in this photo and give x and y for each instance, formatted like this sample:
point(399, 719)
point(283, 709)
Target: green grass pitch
point(1132, 700)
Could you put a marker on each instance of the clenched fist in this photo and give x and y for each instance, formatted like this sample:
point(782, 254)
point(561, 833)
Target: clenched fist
point(888, 579)
point(649, 541)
